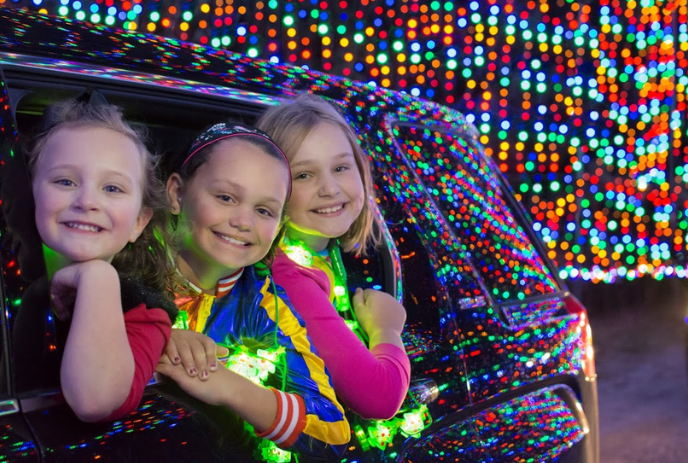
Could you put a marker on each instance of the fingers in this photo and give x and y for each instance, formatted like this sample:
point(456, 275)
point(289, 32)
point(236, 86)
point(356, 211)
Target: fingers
point(379, 296)
point(358, 298)
point(197, 355)
point(171, 352)
point(186, 356)
point(61, 306)
point(174, 372)
point(222, 354)
point(209, 355)
point(61, 312)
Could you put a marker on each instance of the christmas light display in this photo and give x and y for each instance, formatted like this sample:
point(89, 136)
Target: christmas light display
point(582, 105)
point(463, 347)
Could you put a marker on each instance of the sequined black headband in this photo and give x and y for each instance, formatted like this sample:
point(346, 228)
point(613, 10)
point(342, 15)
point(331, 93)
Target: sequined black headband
point(225, 130)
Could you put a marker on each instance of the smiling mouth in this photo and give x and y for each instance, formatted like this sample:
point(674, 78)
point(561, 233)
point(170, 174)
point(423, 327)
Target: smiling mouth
point(84, 227)
point(231, 240)
point(330, 210)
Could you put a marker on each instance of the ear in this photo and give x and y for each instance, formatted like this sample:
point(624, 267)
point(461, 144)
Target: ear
point(174, 193)
point(141, 222)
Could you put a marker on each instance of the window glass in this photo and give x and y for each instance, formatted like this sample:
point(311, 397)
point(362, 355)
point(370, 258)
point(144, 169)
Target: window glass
point(470, 198)
point(435, 284)
point(32, 333)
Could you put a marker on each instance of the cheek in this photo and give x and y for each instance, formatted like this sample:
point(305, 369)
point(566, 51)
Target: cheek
point(297, 203)
point(41, 221)
point(46, 224)
point(357, 190)
point(269, 233)
point(44, 209)
point(197, 214)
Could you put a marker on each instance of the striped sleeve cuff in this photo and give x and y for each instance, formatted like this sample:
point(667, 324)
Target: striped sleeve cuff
point(290, 421)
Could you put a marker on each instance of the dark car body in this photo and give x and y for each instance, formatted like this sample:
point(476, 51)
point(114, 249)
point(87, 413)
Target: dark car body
point(502, 364)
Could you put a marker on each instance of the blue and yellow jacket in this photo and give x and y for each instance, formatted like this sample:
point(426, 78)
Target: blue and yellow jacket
point(255, 320)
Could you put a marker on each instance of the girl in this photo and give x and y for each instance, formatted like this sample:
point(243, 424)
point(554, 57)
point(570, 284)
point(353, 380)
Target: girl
point(333, 203)
point(95, 189)
point(228, 197)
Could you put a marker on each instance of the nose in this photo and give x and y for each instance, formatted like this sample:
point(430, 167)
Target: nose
point(241, 218)
point(328, 185)
point(86, 198)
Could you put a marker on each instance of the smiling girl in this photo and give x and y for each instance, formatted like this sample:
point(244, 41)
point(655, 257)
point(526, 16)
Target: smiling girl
point(227, 199)
point(95, 191)
point(333, 203)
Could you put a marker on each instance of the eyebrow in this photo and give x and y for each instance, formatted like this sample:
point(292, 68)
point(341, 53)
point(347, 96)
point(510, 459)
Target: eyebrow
point(342, 155)
point(68, 167)
point(119, 174)
point(242, 190)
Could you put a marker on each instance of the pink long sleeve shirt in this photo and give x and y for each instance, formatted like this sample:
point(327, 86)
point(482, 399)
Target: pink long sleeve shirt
point(372, 383)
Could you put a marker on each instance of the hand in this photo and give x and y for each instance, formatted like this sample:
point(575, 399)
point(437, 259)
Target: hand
point(198, 354)
point(378, 313)
point(65, 283)
point(210, 390)
point(252, 402)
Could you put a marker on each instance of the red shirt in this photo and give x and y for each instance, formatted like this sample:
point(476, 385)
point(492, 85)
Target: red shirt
point(148, 331)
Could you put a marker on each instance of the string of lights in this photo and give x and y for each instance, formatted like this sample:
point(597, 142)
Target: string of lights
point(581, 104)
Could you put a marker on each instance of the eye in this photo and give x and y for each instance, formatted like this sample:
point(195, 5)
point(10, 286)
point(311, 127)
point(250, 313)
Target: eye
point(265, 212)
point(302, 176)
point(342, 168)
point(225, 198)
point(64, 182)
point(113, 189)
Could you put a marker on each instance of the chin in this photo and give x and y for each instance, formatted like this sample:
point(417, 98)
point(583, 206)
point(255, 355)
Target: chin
point(334, 234)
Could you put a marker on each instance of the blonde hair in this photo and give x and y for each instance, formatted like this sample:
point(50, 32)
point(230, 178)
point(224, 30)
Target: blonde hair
point(290, 123)
point(146, 259)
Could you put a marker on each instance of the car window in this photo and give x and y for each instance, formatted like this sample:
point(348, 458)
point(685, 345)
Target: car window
point(470, 197)
point(431, 296)
point(4, 361)
point(33, 336)
point(36, 337)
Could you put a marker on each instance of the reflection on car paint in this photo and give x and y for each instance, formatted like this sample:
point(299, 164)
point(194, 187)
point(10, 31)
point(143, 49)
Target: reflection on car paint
point(522, 315)
point(15, 446)
point(470, 198)
point(160, 430)
point(118, 75)
point(510, 432)
point(550, 349)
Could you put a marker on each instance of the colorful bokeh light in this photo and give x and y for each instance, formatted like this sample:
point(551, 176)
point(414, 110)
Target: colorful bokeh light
point(581, 104)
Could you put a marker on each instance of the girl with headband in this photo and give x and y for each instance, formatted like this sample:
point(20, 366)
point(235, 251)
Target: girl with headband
point(227, 200)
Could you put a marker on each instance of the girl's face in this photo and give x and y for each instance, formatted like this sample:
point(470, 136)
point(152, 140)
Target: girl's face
point(229, 210)
point(327, 193)
point(88, 188)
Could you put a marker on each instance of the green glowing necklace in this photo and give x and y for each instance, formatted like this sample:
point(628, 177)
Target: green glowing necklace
point(300, 253)
point(413, 417)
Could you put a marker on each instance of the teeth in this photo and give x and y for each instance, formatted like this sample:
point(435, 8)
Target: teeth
point(229, 239)
point(330, 210)
point(81, 226)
